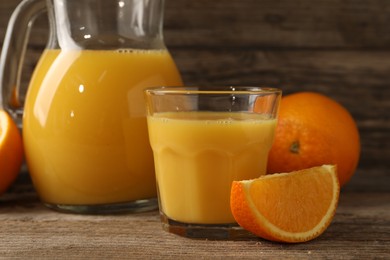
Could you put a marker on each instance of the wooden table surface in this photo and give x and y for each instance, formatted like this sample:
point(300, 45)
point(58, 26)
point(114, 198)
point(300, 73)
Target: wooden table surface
point(360, 230)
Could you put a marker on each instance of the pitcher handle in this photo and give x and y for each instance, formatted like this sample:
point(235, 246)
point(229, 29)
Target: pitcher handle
point(12, 55)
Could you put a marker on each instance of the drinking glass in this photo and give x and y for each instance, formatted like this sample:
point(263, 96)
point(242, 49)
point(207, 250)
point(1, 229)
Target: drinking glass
point(203, 139)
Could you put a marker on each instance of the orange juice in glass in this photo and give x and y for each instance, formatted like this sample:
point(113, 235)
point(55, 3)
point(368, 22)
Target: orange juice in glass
point(202, 140)
point(85, 129)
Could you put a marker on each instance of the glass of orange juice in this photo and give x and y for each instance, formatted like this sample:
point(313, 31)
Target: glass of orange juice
point(203, 139)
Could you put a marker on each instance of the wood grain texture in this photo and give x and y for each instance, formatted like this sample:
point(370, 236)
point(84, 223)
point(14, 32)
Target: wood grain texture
point(279, 24)
point(360, 230)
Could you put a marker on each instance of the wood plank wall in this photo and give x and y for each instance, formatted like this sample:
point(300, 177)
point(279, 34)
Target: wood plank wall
point(337, 47)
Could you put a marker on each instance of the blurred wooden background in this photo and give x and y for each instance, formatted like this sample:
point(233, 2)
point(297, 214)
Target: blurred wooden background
point(337, 47)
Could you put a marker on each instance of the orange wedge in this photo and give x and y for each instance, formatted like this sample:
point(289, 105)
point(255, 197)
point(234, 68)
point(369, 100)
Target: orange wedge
point(287, 207)
point(11, 151)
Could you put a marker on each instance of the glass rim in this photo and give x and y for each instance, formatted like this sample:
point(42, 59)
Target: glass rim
point(199, 90)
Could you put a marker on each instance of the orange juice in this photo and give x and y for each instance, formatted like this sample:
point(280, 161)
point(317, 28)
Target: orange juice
point(84, 125)
point(198, 155)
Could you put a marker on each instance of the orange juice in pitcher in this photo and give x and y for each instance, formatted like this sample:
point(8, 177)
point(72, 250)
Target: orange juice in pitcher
point(84, 124)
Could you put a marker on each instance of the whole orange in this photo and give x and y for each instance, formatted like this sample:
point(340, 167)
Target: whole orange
point(313, 130)
point(11, 151)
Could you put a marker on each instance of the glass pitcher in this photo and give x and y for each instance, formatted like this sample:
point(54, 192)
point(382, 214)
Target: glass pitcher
point(84, 125)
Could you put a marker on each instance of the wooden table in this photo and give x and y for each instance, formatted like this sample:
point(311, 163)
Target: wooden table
point(360, 230)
